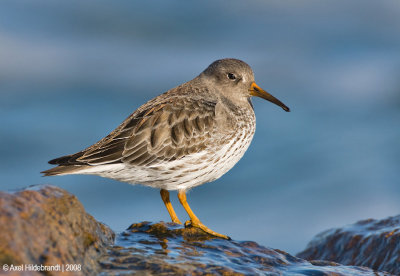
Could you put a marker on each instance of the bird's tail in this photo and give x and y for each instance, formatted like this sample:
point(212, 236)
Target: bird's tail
point(60, 170)
point(66, 165)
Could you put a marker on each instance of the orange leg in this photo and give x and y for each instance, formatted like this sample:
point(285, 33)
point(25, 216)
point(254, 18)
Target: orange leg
point(194, 221)
point(165, 198)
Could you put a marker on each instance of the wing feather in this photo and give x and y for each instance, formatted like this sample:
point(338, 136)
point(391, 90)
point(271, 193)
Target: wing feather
point(167, 131)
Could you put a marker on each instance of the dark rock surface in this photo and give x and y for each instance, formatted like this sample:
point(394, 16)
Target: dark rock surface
point(371, 243)
point(169, 249)
point(47, 225)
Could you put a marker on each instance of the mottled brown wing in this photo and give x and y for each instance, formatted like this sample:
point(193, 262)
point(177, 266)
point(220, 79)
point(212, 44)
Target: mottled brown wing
point(167, 131)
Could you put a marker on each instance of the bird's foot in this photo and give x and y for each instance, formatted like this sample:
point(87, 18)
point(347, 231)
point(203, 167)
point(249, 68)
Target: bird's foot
point(176, 220)
point(198, 224)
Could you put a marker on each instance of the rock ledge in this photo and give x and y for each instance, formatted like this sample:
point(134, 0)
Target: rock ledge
point(47, 225)
point(372, 243)
point(168, 249)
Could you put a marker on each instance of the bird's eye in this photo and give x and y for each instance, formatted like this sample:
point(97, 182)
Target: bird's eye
point(231, 76)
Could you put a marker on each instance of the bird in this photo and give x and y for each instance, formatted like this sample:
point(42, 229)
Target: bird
point(190, 135)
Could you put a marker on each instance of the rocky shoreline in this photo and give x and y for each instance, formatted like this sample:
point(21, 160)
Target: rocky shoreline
point(46, 226)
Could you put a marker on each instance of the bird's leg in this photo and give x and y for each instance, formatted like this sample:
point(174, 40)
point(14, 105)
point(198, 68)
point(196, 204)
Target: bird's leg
point(194, 221)
point(165, 198)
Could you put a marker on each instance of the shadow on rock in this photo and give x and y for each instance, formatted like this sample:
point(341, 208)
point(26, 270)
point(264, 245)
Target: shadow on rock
point(371, 243)
point(168, 249)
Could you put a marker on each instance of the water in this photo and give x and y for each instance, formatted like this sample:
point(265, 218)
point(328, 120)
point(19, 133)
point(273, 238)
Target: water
point(71, 72)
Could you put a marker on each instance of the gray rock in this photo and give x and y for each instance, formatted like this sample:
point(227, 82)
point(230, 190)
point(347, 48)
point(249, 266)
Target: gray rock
point(371, 243)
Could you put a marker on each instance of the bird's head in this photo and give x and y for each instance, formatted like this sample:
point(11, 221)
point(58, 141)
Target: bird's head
point(235, 79)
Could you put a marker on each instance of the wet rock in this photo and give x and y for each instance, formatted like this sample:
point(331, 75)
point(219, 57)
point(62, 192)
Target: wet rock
point(168, 249)
point(47, 225)
point(371, 243)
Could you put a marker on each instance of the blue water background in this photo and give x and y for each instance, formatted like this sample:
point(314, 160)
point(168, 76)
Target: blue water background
point(71, 71)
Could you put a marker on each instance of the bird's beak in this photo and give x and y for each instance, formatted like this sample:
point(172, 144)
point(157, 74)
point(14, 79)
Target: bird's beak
point(255, 90)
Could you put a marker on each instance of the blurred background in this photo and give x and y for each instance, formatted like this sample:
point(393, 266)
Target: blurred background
point(71, 71)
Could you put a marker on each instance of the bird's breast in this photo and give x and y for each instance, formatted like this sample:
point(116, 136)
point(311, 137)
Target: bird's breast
point(230, 118)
